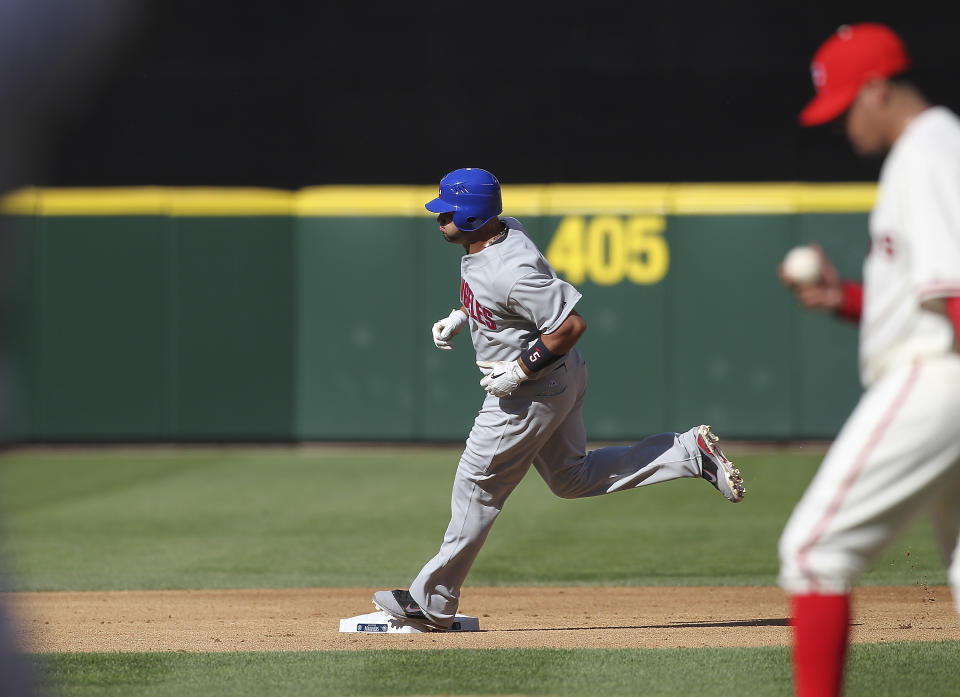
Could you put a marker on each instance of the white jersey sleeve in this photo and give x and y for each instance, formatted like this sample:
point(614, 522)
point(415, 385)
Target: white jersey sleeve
point(914, 247)
point(543, 299)
point(931, 220)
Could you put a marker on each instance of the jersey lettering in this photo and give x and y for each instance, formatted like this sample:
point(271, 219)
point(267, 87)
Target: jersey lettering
point(487, 317)
point(480, 313)
point(883, 244)
point(887, 246)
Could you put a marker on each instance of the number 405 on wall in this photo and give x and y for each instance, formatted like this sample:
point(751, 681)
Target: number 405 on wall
point(610, 249)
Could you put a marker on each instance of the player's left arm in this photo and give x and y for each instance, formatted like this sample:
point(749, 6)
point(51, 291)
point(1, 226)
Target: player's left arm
point(561, 340)
point(506, 376)
point(548, 303)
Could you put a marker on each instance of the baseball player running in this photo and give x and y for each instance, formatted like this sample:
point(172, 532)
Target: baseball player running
point(898, 454)
point(524, 327)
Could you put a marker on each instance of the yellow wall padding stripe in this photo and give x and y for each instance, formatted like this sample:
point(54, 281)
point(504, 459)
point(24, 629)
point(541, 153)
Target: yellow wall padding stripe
point(364, 200)
point(407, 201)
point(150, 201)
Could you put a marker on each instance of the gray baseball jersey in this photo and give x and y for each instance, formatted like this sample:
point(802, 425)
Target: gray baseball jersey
point(513, 296)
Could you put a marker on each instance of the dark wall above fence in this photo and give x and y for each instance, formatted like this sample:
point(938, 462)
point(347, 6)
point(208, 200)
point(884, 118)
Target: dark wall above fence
point(289, 94)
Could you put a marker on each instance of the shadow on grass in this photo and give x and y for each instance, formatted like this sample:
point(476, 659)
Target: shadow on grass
point(765, 622)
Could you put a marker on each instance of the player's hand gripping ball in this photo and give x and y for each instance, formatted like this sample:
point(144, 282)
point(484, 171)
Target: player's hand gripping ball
point(802, 265)
point(445, 329)
point(504, 377)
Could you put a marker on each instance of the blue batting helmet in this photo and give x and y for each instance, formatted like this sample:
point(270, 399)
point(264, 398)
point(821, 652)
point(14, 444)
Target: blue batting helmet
point(471, 194)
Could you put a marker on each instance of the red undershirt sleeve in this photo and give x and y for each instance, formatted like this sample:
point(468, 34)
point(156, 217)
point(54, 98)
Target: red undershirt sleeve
point(953, 314)
point(852, 304)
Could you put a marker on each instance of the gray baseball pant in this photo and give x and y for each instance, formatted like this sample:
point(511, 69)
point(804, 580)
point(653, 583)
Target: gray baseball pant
point(540, 423)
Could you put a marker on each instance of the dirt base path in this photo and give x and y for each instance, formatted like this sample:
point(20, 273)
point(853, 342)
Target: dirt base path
point(308, 619)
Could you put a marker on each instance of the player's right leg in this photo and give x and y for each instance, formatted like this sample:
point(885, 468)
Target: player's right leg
point(505, 437)
point(896, 451)
point(480, 488)
point(894, 455)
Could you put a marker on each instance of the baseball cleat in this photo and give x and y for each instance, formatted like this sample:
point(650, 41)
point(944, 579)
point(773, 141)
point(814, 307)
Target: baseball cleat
point(401, 605)
point(716, 468)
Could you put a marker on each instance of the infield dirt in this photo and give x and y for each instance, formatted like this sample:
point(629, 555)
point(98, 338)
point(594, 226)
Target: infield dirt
point(525, 617)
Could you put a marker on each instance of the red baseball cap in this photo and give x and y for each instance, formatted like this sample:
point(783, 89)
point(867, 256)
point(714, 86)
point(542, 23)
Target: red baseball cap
point(845, 62)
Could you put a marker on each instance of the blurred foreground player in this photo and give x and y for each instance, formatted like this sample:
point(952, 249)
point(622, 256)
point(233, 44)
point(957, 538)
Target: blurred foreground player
point(898, 454)
point(524, 326)
point(50, 54)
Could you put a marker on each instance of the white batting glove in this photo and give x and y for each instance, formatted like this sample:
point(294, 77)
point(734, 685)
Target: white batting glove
point(504, 377)
point(447, 328)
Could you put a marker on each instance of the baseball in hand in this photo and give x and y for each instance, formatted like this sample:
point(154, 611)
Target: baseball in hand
point(802, 265)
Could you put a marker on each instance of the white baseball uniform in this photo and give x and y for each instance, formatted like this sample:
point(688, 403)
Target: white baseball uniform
point(899, 452)
point(513, 296)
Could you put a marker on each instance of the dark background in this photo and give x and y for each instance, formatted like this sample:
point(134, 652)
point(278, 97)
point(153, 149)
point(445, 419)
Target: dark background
point(291, 94)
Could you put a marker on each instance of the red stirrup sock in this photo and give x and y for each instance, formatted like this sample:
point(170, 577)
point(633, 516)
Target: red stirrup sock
point(821, 624)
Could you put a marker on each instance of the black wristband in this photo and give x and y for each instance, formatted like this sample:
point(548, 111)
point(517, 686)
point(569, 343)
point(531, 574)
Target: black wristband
point(538, 356)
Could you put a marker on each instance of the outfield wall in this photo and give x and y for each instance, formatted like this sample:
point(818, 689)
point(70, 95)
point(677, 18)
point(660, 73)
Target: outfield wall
point(205, 314)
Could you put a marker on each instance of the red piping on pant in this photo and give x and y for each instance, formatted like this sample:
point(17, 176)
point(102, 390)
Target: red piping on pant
point(858, 464)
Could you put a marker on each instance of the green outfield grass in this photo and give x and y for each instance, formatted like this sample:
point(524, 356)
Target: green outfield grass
point(238, 518)
point(876, 670)
point(254, 518)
